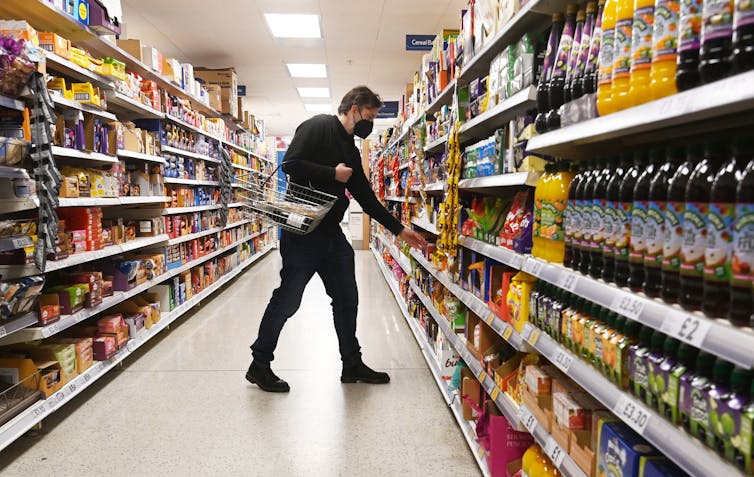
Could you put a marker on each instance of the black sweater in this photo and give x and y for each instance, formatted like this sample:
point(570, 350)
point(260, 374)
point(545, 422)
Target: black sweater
point(320, 144)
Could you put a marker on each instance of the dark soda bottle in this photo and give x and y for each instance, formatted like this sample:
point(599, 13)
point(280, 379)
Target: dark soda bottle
point(639, 221)
point(674, 211)
point(655, 225)
point(589, 83)
point(611, 217)
point(578, 39)
point(743, 35)
point(718, 255)
point(588, 240)
point(716, 40)
point(543, 103)
point(560, 69)
point(690, 20)
point(583, 212)
point(599, 200)
point(576, 86)
point(741, 310)
point(695, 222)
point(572, 218)
point(625, 211)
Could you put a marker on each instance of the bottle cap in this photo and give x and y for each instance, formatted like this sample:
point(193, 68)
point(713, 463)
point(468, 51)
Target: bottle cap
point(657, 155)
point(641, 156)
point(581, 16)
point(670, 348)
point(658, 340)
point(694, 152)
point(722, 370)
point(740, 379)
point(676, 153)
point(687, 355)
point(591, 7)
point(705, 362)
point(572, 9)
point(557, 18)
point(645, 335)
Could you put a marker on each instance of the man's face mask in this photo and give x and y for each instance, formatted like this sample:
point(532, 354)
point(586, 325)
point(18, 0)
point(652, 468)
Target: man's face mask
point(363, 127)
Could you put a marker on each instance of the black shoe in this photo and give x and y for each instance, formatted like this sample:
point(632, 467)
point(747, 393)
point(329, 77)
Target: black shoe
point(263, 377)
point(361, 373)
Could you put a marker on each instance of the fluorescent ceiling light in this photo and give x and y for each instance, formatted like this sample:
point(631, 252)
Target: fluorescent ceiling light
point(285, 25)
point(314, 92)
point(307, 70)
point(318, 107)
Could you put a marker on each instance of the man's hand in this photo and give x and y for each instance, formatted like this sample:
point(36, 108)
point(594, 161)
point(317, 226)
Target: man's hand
point(413, 238)
point(343, 173)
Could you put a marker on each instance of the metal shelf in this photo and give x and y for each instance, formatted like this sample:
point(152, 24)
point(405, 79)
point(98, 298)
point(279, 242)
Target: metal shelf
point(445, 97)
point(14, 325)
point(234, 205)
point(10, 103)
point(136, 200)
point(424, 224)
point(243, 168)
point(88, 201)
point(399, 257)
point(699, 110)
point(240, 223)
point(140, 156)
point(72, 70)
point(188, 210)
point(483, 125)
point(10, 206)
point(196, 235)
point(501, 180)
point(195, 129)
point(674, 443)
point(69, 104)
point(131, 107)
point(173, 180)
point(84, 257)
point(181, 152)
point(58, 151)
point(14, 243)
point(437, 145)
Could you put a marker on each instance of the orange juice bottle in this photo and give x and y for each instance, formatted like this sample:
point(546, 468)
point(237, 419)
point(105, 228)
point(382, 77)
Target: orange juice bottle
point(641, 51)
point(531, 455)
point(624, 25)
point(550, 199)
point(664, 49)
point(605, 77)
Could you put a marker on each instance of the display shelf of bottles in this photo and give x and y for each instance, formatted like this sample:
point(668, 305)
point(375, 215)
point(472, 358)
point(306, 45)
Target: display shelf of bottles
point(495, 118)
point(181, 152)
point(703, 109)
point(438, 145)
point(130, 107)
point(58, 151)
point(140, 156)
point(424, 224)
point(677, 445)
point(72, 70)
point(10, 103)
point(500, 180)
point(70, 104)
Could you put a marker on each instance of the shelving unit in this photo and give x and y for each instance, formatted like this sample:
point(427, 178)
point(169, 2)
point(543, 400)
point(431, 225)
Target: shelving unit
point(181, 152)
point(140, 156)
point(437, 145)
point(188, 210)
point(70, 104)
point(109, 201)
point(501, 180)
point(11, 103)
point(173, 180)
point(492, 119)
point(58, 152)
point(425, 225)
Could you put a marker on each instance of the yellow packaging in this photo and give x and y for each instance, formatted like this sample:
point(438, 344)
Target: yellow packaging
point(518, 299)
point(96, 183)
point(85, 93)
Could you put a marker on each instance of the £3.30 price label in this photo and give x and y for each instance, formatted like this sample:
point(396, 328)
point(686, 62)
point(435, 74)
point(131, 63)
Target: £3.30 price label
point(691, 329)
point(633, 413)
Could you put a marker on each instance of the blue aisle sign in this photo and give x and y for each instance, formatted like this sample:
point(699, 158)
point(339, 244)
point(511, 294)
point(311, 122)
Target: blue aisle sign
point(419, 42)
point(241, 90)
point(389, 110)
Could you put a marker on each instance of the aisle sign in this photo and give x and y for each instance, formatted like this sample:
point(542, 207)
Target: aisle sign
point(420, 42)
point(389, 110)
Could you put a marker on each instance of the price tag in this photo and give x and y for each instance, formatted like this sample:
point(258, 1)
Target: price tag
point(295, 220)
point(533, 266)
point(480, 452)
point(72, 388)
point(52, 329)
point(3, 331)
point(495, 393)
point(628, 305)
point(567, 281)
point(87, 377)
point(21, 242)
point(516, 261)
point(482, 376)
point(554, 451)
point(490, 318)
point(39, 411)
point(563, 360)
point(533, 337)
point(633, 413)
point(528, 419)
point(507, 332)
point(691, 329)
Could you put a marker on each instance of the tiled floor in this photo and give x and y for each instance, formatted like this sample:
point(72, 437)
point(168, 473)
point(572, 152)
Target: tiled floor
point(181, 405)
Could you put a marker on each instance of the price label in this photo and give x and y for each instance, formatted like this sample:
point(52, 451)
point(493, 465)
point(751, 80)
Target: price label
point(39, 411)
point(131, 346)
point(52, 329)
point(533, 266)
point(628, 305)
point(563, 360)
point(21, 242)
point(480, 452)
point(495, 393)
point(691, 329)
point(507, 332)
point(295, 220)
point(87, 377)
point(568, 281)
point(533, 337)
point(554, 451)
point(3, 331)
point(528, 419)
point(490, 318)
point(482, 376)
point(516, 261)
point(633, 413)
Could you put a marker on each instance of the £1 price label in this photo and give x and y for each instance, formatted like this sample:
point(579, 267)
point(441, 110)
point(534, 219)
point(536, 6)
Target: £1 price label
point(482, 376)
point(528, 419)
point(628, 305)
point(533, 337)
point(554, 451)
point(632, 413)
point(691, 329)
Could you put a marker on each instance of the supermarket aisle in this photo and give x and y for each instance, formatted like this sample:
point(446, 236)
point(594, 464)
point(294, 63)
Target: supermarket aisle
point(182, 406)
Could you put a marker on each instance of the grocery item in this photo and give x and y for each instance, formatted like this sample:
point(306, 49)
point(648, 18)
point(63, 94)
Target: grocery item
point(550, 200)
point(543, 86)
point(664, 49)
point(560, 69)
point(741, 310)
point(638, 371)
point(582, 212)
point(639, 219)
point(678, 379)
point(621, 451)
point(660, 368)
point(588, 223)
point(591, 72)
point(624, 20)
point(575, 87)
point(697, 398)
point(745, 456)
point(727, 431)
point(572, 220)
point(716, 40)
point(743, 35)
point(578, 38)
point(611, 217)
point(624, 209)
point(718, 394)
point(598, 224)
point(689, 31)
point(658, 352)
point(641, 51)
point(605, 103)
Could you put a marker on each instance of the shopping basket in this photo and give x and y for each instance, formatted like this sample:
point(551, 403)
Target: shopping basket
point(294, 207)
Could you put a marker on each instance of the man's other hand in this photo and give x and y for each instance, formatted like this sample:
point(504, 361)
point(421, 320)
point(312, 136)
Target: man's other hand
point(343, 173)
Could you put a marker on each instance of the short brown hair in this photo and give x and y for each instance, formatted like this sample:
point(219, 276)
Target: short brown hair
point(361, 96)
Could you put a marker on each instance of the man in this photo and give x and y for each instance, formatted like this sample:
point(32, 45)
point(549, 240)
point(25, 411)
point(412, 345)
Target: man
point(323, 154)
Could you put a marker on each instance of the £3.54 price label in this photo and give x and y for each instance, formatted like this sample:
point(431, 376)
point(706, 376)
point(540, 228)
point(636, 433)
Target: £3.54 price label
point(554, 451)
point(633, 413)
point(691, 329)
point(527, 419)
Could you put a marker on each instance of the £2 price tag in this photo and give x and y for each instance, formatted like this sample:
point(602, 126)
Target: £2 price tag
point(691, 329)
point(633, 413)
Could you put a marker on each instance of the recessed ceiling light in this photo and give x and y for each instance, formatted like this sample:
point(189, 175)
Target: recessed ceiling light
point(307, 70)
point(318, 107)
point(314, 92)
point(285, 25)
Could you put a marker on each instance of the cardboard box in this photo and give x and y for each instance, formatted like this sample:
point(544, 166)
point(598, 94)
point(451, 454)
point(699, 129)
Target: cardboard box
point(538, 407)
point(621, 451)
point(49, 309)
point(471, 389)
point(133, 140)
point(225, 77)
point(214, 92)
point(132, 47)
point(172, 70)
point(561, 435)
point(581, 452)
point(55, 43)
point(151, 57)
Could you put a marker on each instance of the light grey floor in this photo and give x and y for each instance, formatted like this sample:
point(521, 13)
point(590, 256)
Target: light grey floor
point(182, 407)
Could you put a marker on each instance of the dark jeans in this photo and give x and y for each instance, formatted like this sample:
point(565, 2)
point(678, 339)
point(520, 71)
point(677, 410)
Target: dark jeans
point(324, 251)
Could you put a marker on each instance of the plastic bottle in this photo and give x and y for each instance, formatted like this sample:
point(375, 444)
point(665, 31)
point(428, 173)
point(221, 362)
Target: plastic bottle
point(641, 52)
point(581, 236)
point(624, 21)
point(675, 208)
point(718, 393)
point(575, 89)
point(605, 103)
point(590, 209)
point(741, 311)
point(638, 377)
point(578, 38)
point(625, 216)
point(655, 226)
point(689, 31)
point(611, 217)
point(599, 200)
point(679, 380)
point(560, 68)
point(698, 411)
point(743, 36)
point(664, 49)
point(719, 252)
point(550, 204)
point(591, 71)
point(717, 40)
point(695, 225)
point(572, 215)
point(639, 221)
point(538, 467)
point(531, 455)
point(655, 358)
point(731, 413)
point(543, 86)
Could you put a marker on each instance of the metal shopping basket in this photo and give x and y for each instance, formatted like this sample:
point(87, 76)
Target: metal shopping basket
point(293, 207)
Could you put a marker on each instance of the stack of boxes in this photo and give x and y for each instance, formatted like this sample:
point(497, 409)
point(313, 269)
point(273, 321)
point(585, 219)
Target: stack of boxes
point(88, 220)
point(227, 80)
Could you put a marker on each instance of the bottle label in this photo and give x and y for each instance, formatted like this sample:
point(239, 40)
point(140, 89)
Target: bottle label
point(622, 229)
point(742, 262)
point(560, 68)
point(690, 25)
point(574, 54)
point(586, 223)
point(606, 56)
point(568, 222)
point(622, 54)
point(638, 231)
point(694, 238)
point(671, 248)
point(594, 49)
point(744, 14)
point(578, 223)
point(551, 219)
point(717, 20)
point(583, 53)
point(598, 224)
point(665, 36)
point(717, 255)
point(654, 234)
point(641, 40)
point(609, 218)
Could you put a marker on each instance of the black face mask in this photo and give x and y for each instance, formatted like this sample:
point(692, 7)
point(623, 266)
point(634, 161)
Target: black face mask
point(363, 128)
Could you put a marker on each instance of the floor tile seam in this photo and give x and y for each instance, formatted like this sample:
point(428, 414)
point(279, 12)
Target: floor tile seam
point(281, 370)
